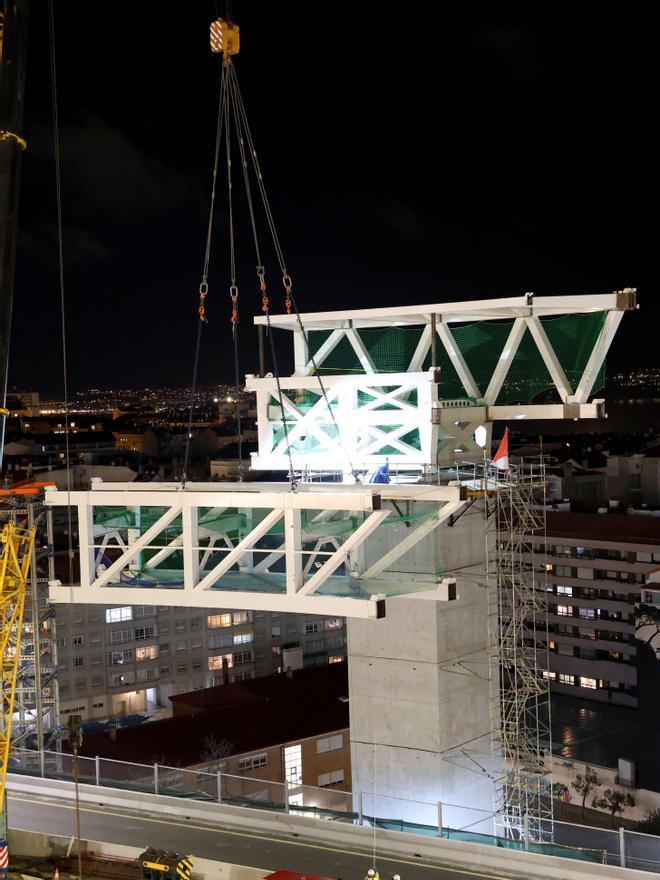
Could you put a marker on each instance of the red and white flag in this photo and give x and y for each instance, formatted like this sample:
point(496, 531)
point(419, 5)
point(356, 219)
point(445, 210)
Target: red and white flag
point(501, 457)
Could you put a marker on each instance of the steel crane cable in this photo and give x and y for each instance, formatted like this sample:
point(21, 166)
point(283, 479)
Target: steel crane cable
point(204, 286)
point(60, 262)
point(261, 272)
point(233, 289)
point(60, 257)
point(286, 279)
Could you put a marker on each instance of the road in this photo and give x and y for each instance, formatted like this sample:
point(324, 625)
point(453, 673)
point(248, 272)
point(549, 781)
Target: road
point(235, 847)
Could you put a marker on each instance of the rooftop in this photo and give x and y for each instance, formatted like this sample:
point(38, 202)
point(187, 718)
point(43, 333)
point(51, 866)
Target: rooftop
point(250, 715)
point(631, 529)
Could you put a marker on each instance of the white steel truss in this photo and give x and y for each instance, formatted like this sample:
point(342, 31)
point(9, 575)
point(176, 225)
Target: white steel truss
point(377, 418)
point(520, 695)
point(364, 419)
point(319, 550)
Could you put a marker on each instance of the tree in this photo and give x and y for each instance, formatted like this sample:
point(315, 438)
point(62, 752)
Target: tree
point(214, 750)
point(650, 824)
point(614, 801)
point(559, 792)
point(585, 783)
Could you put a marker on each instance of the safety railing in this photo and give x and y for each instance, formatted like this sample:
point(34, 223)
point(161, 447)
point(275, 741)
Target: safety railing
point(441, 819)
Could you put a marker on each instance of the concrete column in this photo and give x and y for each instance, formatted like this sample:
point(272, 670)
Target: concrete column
point(427, 716)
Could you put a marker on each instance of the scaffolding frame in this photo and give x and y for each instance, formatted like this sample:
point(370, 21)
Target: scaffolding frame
point(518, 634)
point(36, 694)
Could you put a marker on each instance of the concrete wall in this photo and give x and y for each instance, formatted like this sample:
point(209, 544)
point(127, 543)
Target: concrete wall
point(420, 725)
point(35, 844)
point(468, 857)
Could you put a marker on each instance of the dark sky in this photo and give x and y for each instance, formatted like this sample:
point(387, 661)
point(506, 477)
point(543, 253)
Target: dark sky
point(429, 157)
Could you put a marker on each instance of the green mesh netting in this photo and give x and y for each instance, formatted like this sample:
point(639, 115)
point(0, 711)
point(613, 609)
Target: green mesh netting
point(481, 344)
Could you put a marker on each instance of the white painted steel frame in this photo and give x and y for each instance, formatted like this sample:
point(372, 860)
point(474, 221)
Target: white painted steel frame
point(365, 428)
point(278, 502)
point(527, 305)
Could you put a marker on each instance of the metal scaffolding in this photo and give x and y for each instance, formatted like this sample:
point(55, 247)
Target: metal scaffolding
point(35, 704)
point(520, 694)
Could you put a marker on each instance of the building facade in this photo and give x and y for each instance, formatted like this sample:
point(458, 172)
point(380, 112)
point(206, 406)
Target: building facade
point(131, 659)
point(597, 569)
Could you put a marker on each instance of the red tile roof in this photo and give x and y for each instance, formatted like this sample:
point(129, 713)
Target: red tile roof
point(250, 715)
point(626, 528)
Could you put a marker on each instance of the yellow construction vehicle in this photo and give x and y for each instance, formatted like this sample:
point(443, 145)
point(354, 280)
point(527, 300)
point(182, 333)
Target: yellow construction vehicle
point(16, 546)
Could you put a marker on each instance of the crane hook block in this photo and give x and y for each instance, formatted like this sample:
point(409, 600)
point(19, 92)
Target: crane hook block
point(225, 37)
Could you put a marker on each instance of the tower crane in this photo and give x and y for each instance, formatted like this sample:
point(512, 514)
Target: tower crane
point(16, 542)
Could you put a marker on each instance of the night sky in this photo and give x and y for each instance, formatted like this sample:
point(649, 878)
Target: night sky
point(421, 158)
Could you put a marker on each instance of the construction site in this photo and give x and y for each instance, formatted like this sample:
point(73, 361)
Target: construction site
point(394, 511)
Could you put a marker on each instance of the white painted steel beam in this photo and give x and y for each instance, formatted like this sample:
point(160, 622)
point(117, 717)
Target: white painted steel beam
point(341, 555)
point(190, 586)
point(334, 606)
point(597, 356)
point(324, 351)
point(235, 555)
point(411, 540)
point(574, 411)
point(457, 360)
point(360, 350)
point(134, 549)
point(472, 310)
point(550, 359)
point(506, 358)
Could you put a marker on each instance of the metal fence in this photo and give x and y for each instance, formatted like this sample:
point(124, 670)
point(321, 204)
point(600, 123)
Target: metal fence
point(450, 821)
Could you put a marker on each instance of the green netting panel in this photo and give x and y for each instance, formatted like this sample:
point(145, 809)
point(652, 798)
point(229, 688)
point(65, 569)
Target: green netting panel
point(391, 350)
point(573, 337)
point(450, 385)
point(412, 439)
point(528, 375)
point(481, 344)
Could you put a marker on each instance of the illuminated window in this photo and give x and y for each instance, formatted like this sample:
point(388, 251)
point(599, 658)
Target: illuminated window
point(590, 683)
point(564, 678)
point(565, 610)
point(215, 620)
point(216, 662)
point(150, 653)
point(116, 615)
point(551, 676)
point(334, 623)
point(564, 591)
point(588, 613)
point(293, 764)
point(242, 638)
point(336, 658)
point(239, 617)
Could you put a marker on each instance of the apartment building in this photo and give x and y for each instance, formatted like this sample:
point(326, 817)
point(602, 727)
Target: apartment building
point(597, 569)
point(131, 659)
point(304, 740)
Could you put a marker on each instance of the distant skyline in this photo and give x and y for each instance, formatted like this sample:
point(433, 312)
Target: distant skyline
point(486, 155)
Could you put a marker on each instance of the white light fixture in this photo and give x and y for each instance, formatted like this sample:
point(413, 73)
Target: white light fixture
point(481, 436)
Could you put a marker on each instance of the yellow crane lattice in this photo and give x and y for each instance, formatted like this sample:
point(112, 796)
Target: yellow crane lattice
point(16, 545)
